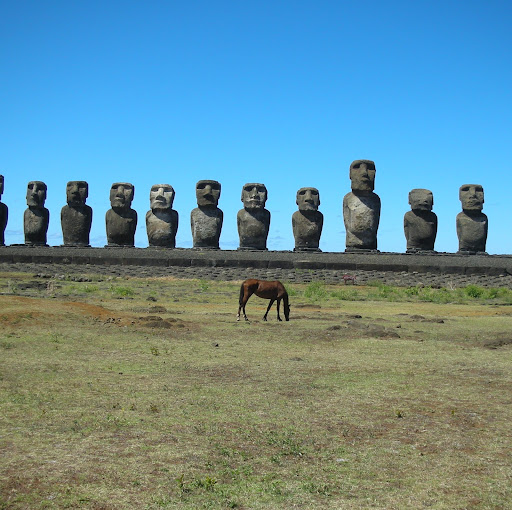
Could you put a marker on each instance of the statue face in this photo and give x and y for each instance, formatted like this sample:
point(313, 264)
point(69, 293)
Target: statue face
point(1, 184)
point(308, 199)
point(207, 193)
point(36, 193)
point(161, 196)
point(254, 196)
point(421, 199)
point(472, 197)
point(362, 175)
point(121, 195)
point(77, 192)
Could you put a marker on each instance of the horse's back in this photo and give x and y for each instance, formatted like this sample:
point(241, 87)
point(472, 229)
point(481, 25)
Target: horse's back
point(250, 282)
point(267, 289)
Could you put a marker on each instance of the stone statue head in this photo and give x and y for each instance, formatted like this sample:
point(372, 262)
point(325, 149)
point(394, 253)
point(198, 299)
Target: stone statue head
point(1, 185)
point(471, 197)
point(207, 193)
point(36, 193)
point(421, 199)
point(254, 196)
point(77, 192)
point(362, 175)
point(308, 199)
point(121, 195)
point(161, 196)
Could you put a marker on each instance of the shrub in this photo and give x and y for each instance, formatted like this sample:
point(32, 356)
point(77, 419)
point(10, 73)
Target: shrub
point(384, 292)
point(474, 291)
point(315, 291)
point(412, 291)
point(292, 291)
point(204, 285)
point(122, 291)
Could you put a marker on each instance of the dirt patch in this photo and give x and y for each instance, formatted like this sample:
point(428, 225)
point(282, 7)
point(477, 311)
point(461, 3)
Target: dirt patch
point(34, 312)
point(155, 321)
point(17, 318)
point(496, 344)
point(354, 328)
point(421, 318)
point(157, 309)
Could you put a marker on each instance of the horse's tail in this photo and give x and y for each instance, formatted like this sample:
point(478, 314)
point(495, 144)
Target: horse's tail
point(286, 306)
point(240, 299)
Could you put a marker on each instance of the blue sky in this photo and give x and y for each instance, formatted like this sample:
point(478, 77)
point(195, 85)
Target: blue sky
point(284, 92)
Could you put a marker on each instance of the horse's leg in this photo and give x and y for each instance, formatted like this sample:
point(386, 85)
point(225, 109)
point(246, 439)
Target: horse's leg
point(244, 302)
point(239, 308)
point(268, 308)
point(278, 304)
point(243, 309)
point(240, 299)
point(245, 293)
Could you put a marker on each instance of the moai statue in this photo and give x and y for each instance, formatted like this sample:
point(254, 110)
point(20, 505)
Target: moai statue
point(121, 220)
point(420, 224)
point(472, 223)
point(36, 218)
point(361, 208)
point(4, 213)
point(162, 219)
point(308, 221)
point(253, 220)
point(76, 216)
point(206, 219)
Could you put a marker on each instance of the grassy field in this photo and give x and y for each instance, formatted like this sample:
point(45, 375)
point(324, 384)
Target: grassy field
point(147, 394)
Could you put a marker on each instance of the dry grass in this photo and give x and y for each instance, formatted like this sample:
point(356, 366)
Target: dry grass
point(148, 394)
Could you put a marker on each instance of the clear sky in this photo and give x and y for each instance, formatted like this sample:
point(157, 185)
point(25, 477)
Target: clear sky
point(282, 92)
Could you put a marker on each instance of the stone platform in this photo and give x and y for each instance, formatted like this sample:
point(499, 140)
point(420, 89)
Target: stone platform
point(439, 269)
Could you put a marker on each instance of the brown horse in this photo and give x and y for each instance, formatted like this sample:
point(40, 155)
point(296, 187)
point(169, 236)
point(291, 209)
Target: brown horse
point(267, 290)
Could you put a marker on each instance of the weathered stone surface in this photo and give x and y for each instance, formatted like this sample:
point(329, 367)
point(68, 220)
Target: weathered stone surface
point(206, 219)
point(433, 269)
point(471, 223)
point(4, 213)
point(420, 224)
point(253, 220)
point(36, 218)
point(308, 221)
point(162, 219)
point(76, 216)
point(121, 219)
point(361, 208)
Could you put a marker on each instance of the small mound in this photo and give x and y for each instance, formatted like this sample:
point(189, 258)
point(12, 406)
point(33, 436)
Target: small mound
point(157, 322)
